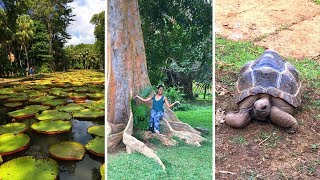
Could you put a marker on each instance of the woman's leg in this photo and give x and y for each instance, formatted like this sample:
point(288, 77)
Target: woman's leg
point(156, 120)
point(151, 121)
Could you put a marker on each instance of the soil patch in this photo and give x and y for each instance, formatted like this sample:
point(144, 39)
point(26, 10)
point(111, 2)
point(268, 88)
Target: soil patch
point(286, 26)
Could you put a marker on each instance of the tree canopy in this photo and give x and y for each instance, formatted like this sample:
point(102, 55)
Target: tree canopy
point(34, 33)
point(178, 41)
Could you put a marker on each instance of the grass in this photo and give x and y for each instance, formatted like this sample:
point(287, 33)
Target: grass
point(269, 139)
point(241, 140)
point(316, 1)
point(182, 161)
point(231, 56)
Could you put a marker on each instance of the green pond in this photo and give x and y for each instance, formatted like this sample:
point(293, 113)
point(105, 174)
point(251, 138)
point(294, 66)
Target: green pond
point(89, 167)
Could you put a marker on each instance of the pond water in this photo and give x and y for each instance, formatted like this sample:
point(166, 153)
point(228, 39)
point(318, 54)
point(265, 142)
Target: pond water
point(86, 169)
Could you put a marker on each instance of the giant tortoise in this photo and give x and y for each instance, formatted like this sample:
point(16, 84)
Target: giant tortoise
point(268, 89)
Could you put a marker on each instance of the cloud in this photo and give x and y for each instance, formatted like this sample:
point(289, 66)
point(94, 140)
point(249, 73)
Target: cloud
point(81, 30)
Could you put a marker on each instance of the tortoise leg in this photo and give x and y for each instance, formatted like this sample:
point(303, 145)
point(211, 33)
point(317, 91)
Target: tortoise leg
point(238, 120)
point(283, 119)
point(242, 118)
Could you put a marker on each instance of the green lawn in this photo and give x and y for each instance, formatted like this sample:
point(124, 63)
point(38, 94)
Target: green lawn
point(182, 161)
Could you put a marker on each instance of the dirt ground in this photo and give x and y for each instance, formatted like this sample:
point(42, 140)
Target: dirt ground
point(291, 27)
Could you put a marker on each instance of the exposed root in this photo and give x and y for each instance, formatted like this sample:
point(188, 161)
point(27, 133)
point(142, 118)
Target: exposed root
point(180, 126)
point(133, 144)
point(188, 137)
point(108, 128)
point(114, 139)
point(116, 128)
point(164, 139)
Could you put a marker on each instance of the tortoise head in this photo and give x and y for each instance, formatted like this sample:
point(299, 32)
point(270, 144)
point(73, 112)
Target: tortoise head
point(262, 107)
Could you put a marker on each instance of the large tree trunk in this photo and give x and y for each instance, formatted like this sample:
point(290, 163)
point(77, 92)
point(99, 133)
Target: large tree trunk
point(126, 76)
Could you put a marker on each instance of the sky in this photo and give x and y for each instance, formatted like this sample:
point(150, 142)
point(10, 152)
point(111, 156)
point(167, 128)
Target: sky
point(81, 30)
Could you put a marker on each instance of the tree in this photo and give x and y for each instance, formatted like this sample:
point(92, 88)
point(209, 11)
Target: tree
point(127, 75)
point(25, 33)
point(176, 38)
point(56, 15)
point(98, 21)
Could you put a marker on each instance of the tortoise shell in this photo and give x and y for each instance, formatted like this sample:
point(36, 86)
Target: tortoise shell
point(272, 75)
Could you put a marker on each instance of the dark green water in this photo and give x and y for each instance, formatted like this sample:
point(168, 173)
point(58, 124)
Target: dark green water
point(86, 169)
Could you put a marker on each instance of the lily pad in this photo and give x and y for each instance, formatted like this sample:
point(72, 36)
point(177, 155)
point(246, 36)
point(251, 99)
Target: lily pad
point(13, 105)
point(22, 113)
point(70, 107)
point(88, 114)
point(13, 128)
point(53, 115)
point(67, 150)
point(96, 105)
point(54, 102)
point(36, 94)
point(11, 143)
point(4, 96)
point(95, 95)
point(18, 99)
point(51, 126)
point(102, 171)
point(38, 108)
point(96, 146)
point(28, 167)
point(42, 98)
point(77, 96)
point(96, 130)
point(6, 91)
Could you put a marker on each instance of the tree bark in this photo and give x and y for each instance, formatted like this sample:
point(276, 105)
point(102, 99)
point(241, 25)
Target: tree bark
point(127, 68)
point(187, 86)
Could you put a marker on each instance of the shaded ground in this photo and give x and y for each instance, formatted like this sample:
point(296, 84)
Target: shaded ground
point(289, 26)
point(264, 150)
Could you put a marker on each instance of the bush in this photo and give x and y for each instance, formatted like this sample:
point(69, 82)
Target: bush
point(43, 69)
point(173, 95)
point(183, 107)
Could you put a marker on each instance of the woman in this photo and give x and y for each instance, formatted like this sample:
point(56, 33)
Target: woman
point(157, 110)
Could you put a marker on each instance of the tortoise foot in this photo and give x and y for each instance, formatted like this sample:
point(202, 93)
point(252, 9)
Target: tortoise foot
point(238, 120)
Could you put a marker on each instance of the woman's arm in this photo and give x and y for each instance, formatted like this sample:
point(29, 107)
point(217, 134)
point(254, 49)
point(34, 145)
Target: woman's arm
point(168, 104)
point(143, 99)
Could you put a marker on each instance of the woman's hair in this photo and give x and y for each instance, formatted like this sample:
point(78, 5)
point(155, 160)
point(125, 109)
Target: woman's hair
point(159, 86)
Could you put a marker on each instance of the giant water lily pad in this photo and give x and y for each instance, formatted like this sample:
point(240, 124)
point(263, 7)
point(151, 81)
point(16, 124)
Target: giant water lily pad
point(67, 150)
point(13, 105)
point(23, 113)
point(54, 102)
point(53, 115)
point(96, 105)
point(95, 95)
point(28, 167)
point(13, 128)
point(96, 130)
point(38, 108)
point(42, 98)
point(59, 92)
point(96, 146)
point(88, 114)
point(77, 96)
point(4, 96)
point(6, 91)
point(51, 126)
point(11, 143)
point(36, 94)
point(102, 171)
point(18, 99)
point(70, 107)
